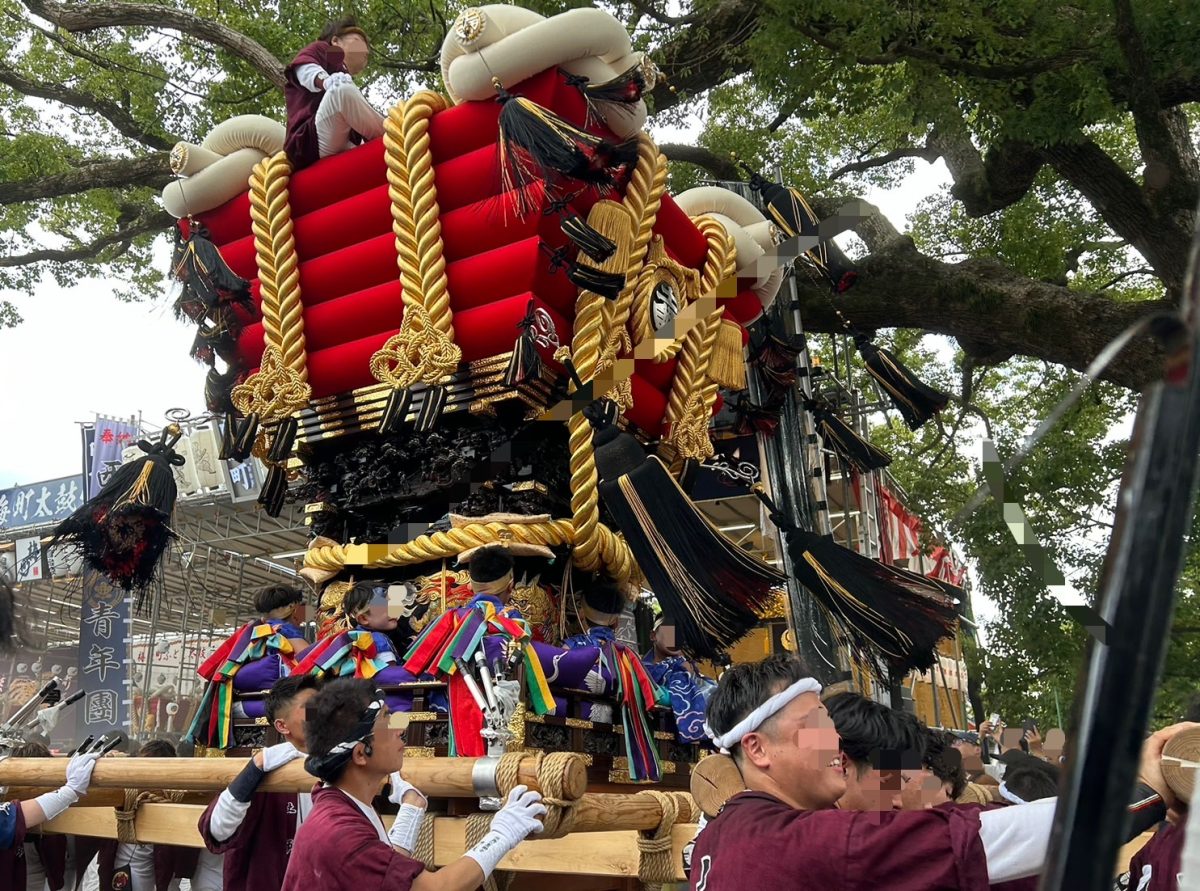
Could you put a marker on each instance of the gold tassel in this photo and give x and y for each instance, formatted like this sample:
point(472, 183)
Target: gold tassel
point(728, 364)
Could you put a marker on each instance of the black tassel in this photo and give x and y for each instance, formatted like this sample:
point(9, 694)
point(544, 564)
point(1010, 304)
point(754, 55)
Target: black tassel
point(274, 490)
point(848, 445)
point(208, 282)
point(751, 419)
point(217, 389)
point(538, 146)
point(624, 89)
point(791, 212)
point(285, 438)
point(228, 446)
point(892, 619)
point(525, 363)
point(433, 403)
point(586, 238)
point(607, 284)
point(396, 410)
point(244, 436)
point(712, 587)
point(775, 359)
point(917, 402)
point(123, 531)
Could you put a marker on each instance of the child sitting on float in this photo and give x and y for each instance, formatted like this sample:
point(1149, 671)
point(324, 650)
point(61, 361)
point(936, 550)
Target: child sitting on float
point(250, 660)
point(372, 609)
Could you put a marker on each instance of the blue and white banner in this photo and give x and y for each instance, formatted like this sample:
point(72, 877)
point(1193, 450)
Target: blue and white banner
point(102, 451)
point(104, 637)
point(40, 504)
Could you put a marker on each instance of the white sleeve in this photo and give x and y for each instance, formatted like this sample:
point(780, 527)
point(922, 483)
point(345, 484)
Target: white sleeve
point(227, 816)
point(995, 770)
point(1015, 839)
point(307, 75)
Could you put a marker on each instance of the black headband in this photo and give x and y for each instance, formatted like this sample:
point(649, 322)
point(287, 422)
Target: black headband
point(328, 767)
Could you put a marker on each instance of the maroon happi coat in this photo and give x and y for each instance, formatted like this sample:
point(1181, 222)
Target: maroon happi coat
point(760, 839)
point(338, 849)
point(12, 845)
point(302, 146)
point(256, 855)
point(1158, 862)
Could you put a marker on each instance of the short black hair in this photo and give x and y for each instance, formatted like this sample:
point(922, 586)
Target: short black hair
point(1030, 783)
point(157, 748)
point(347, 24)
point(745, 687)
point(490, 563)
point(284, 690)
point(874, 735)
point(32, 749)
point(944, 761)
point(276, 597)
point(359, 597)
point(604, 595)
point(333, 713)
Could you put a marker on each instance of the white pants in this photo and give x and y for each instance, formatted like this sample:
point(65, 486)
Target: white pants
point(344, 108)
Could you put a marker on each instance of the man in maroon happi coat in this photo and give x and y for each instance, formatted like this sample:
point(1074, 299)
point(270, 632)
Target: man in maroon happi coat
point(354, 746)
point(786, 831)
point(255, 831)
point(1156, 866)
point(326, 112)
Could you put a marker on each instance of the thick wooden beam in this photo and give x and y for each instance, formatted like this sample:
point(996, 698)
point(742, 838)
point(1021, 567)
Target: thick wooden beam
point(605, 853)
point(436, 777)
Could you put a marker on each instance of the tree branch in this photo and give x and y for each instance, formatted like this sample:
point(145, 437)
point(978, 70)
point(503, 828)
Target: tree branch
point(121, 119)
point(987, 183)
point(720, 168)
point(156, 221)
point(926, 153)
point(982, 301)
point(705, 54)
point(97, 14)
point(148, 170)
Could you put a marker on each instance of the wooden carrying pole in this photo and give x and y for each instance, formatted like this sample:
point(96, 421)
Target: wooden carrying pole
point(436, 777)
point(603, 850)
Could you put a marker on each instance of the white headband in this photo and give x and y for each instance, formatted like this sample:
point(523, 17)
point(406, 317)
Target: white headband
point(1010, 797)
point(755, 719)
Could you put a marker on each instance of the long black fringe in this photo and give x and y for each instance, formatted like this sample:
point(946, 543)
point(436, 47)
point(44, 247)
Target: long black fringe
point(849, 446)
point(713, 588)
point(916, 401)
point(124, 529)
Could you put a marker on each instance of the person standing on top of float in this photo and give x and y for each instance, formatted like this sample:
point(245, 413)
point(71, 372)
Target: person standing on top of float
point(255, 831)
point(354, 745)
point(769, 717)
point(326, 112)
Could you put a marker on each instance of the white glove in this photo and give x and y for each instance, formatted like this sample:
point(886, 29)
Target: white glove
point(47, 719)
point(511, 824)
point(79, 771)
point(338, 77)
point(278, 755)
point(400, 786)
point(508, 694)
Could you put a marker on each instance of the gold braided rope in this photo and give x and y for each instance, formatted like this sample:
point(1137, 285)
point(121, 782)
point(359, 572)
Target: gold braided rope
point(280, 386)
point(688, 397)
point(643, 197)
point(595, 545)
point(424, 349)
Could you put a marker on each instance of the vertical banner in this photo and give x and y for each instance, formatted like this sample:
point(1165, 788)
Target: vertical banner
point(30, 560)
point(104, 633)
point(111, 438)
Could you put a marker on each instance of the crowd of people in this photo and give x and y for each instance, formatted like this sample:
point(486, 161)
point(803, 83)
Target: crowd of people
point(842, 791)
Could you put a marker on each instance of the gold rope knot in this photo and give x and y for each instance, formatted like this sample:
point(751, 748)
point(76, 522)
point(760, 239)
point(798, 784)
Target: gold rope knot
point(689, 435)
point(419, 351)
point(274, 391)
point(655, 866)
point(127, 814)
